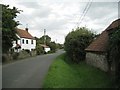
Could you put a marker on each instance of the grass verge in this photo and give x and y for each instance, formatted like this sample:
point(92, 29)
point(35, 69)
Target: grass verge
point(65, 74)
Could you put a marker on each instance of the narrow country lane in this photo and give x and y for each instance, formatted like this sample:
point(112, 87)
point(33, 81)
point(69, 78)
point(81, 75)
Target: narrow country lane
point(28, 73)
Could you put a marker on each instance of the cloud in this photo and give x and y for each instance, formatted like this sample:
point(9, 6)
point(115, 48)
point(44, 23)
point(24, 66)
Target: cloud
point(100, 10)
point(29, 4)
point(59, 17)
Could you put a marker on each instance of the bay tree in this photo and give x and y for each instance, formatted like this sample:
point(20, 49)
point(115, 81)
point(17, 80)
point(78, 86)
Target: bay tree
point(45, 38)
point(76, 42)
point(9, 25)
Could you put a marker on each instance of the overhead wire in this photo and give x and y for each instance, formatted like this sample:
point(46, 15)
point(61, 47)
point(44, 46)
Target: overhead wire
point(85, 13)
point(88, 5)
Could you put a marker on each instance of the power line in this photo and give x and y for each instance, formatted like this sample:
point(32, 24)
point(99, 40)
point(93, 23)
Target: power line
point(84, 13)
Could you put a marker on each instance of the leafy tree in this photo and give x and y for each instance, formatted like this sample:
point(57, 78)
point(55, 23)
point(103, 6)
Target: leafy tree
point(59, 46)
point(114, 53)
point(39, 50)
point(8, 26)
point(48, 42)
point(76, 42)
point(52, 46)
point(41, 39)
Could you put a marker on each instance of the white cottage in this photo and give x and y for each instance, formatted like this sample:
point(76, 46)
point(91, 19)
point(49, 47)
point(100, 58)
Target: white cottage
point(45, 47)
point(25, 41)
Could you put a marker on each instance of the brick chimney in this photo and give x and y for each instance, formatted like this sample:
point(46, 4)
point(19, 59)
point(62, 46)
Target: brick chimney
point(26, 29)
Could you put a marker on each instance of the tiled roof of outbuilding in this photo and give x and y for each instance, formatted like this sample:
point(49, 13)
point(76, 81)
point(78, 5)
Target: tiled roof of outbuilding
point(101, 42)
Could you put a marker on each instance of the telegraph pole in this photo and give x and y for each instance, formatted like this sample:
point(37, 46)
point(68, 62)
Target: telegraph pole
point(44, 37)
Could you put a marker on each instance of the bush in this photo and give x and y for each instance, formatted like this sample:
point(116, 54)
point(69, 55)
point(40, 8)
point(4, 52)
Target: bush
point(24, 54)
point(39, 50)
point(27, 50)
point(49, 52)
point(5, 58)
point(52, 46)
point(15, 55)
point(76, 42)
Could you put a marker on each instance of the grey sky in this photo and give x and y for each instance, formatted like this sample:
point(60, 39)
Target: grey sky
point(59, 17)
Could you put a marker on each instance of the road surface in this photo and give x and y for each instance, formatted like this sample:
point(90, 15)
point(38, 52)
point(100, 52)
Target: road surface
point(27, 73)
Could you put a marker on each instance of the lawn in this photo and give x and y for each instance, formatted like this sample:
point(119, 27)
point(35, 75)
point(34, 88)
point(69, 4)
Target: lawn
point(65, 74)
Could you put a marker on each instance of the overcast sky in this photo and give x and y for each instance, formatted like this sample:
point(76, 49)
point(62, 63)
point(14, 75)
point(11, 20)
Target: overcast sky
point(59, 17)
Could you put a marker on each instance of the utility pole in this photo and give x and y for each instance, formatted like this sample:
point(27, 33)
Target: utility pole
point(44, 37)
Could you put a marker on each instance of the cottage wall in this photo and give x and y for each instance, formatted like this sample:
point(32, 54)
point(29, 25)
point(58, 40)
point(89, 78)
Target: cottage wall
point(47, 49)
point(29, 45)
point(97, 60)
point(24, 45)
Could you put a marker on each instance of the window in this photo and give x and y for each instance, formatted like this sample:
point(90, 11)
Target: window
point(26, 41)
point(23, 41)
point(31, 41)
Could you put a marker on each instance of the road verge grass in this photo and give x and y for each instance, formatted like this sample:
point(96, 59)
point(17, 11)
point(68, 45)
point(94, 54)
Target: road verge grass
point(65, 74)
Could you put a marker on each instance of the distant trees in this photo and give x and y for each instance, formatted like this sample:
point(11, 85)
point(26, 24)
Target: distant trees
point(76, 42)
point(41, 40)
point(39, 49)
point(53, 46)
point(59, 46)
point(8, 26)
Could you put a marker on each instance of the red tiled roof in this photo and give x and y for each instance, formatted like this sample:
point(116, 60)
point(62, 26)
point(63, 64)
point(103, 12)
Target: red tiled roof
point(114, 24)
point(24, 34)
point(100, 43)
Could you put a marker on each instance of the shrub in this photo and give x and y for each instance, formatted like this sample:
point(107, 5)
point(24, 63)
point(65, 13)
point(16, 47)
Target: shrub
point(4, 58)
point(49, 52)
point(15, 55)
point(76, 42)
point(27, 50)
point(52, 46)
point(39, 50)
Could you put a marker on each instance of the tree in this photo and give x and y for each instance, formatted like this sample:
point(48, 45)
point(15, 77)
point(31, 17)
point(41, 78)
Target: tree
point(52, 46)
point(76, 42)
point(48, 42)
point(59, 46)
point(41, 39)
point(8, 26)
point(39, 50)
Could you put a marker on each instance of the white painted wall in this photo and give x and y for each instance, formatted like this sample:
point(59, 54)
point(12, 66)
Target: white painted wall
point(25, 46)
point(29, 45)
point(47, 49)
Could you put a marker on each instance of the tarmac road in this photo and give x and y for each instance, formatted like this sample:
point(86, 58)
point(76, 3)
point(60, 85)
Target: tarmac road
point(27, 73)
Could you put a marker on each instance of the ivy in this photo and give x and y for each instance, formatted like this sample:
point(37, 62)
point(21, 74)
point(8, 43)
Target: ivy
point(114, 52)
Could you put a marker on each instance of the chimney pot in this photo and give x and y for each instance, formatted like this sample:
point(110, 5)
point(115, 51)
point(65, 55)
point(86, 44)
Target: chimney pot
point(26, 29)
